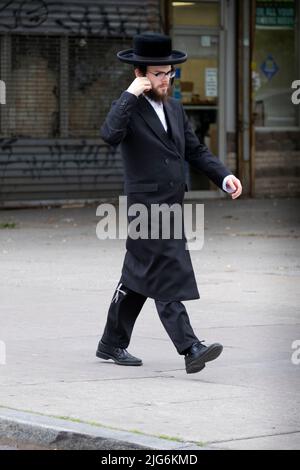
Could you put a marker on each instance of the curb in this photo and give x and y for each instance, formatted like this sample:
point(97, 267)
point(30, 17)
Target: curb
point(58, 433)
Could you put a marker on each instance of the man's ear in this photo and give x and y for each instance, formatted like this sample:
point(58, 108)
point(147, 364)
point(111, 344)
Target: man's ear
point(138, 73)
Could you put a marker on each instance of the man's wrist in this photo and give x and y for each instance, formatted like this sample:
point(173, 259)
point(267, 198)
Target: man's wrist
point(224, 184)
point(131, 92)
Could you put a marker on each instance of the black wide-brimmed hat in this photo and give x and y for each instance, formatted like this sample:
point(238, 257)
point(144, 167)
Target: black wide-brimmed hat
point(152, 49)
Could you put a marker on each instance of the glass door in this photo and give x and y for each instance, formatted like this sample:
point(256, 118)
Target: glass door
point(196, 30)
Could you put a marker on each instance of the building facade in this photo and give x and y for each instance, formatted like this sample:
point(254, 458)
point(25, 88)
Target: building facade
point(58, 63)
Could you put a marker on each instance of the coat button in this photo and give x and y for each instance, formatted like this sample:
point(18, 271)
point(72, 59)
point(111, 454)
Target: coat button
point(171, 184)
point(166, 161)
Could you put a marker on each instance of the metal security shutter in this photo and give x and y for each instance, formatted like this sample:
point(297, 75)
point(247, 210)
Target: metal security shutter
point(103, 18)
point(45, 170)
point(62, 74)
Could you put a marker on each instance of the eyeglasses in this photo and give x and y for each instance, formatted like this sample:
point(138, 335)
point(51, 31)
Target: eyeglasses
point(161, 75)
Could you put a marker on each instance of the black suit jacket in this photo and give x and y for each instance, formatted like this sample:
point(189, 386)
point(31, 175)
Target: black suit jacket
point(149, 155)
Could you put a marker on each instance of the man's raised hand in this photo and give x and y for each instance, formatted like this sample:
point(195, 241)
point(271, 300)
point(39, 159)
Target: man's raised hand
point(139, 85)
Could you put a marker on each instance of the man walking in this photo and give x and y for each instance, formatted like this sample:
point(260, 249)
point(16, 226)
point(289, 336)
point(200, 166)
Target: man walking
point(156, 139)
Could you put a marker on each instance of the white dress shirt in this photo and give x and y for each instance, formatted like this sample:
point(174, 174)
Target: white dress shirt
point(159, 109)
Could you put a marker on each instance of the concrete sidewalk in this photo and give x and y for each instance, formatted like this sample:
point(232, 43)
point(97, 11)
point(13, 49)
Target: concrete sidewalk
point(57, 280)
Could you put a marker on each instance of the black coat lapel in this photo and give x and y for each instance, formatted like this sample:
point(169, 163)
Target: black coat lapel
point(149, 115)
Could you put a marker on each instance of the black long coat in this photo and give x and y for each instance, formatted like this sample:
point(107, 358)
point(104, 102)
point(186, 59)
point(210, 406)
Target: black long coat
point(155, 173)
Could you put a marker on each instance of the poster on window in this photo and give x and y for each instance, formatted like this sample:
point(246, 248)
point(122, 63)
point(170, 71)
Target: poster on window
point(211, 82)
point(274, 13)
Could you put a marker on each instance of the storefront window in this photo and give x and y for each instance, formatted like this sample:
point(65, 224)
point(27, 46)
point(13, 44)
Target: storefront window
point(197, 79)
point(275, 66)
point(196, 13)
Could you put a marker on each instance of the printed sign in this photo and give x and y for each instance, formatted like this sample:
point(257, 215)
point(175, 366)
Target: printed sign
point(269, 67)
point(211, 82)
point(275, 13)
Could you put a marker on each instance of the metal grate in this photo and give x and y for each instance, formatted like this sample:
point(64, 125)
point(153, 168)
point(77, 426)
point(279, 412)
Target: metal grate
point(58, 60)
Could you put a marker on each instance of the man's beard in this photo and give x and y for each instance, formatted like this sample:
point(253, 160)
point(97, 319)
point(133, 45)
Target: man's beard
point(153, 95)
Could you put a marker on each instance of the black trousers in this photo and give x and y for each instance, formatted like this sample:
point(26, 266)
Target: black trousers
point(124, 310)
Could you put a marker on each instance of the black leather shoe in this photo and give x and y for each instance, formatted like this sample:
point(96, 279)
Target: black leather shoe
point(118, 355)
point(198, 354)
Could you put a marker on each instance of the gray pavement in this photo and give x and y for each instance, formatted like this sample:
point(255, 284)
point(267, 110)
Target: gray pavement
point(56, 282)
point(13, 444)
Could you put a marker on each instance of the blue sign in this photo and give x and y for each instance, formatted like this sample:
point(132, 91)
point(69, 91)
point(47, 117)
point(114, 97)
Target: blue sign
point(269, 67)
point(177, 72)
